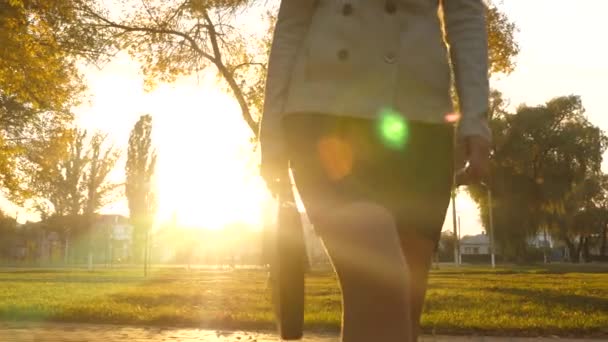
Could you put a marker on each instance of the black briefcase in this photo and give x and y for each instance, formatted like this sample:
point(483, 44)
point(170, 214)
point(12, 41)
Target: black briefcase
point(288, 264)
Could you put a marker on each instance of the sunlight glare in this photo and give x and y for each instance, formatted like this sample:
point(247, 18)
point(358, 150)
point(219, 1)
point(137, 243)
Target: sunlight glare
point(207, 169)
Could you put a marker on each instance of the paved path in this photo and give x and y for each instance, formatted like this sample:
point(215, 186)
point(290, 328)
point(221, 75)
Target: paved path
point(54, 332)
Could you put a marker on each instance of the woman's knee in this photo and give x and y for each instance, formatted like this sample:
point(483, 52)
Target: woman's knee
point(364, 246)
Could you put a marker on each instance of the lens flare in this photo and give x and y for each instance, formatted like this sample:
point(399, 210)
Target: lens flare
point(393, 128)
point(336, 157)
point(452, 117)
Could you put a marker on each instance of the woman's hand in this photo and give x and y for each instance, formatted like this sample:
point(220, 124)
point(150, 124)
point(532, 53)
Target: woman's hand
point(275, 172)
point(476, 151)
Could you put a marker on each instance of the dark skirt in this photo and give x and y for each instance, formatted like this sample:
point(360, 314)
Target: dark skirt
point(407, 167)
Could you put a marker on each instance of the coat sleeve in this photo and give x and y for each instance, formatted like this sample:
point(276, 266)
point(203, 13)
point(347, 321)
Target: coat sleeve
point(466, 33)
point(293, 22)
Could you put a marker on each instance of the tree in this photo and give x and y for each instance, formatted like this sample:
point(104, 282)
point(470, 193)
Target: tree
point(24, 131)
point(8, 231)
point(42, 43)
point(67, 175)
point(602, 207)
point(175, 38)
point(447, 243)
point(588, 217)
point(140, 168)
point(541, 159)
point(501, 40)
point(97, 189)
point(101, 161)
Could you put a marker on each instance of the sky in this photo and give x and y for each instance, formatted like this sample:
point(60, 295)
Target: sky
point(207, 167)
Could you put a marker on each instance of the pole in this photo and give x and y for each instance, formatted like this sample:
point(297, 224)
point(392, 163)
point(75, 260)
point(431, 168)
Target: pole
point(459, 230)
point(111, 254)
point(546, 246)
point(454, 224)
point(66, 248)
point(490, 212)
point(90, 259)
point(146, 255)
point(147, 206)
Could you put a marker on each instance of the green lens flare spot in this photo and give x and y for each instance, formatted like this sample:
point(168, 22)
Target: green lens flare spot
point(393, 128)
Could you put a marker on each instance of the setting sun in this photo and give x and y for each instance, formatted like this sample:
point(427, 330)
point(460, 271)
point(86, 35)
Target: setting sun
point(207, 166)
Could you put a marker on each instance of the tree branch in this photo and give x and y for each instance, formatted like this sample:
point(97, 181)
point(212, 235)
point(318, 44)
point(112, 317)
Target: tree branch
point(193, 44)
point(229, 77)
point(246, 64)
point(215, 57)
point(150, 14)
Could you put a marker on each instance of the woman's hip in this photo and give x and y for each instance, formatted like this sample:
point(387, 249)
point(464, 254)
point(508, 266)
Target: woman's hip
point(407, 168)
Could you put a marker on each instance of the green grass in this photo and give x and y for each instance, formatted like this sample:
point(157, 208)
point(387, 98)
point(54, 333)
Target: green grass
point(565, 301)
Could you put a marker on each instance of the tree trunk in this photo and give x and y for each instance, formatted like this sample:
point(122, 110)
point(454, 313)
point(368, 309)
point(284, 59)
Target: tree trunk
point(579, 248)
point(189, 259)
point(90, 261)
point(66, 250)
point(90, 244)
point(138, 243)
point(545, 247)
point(146, 255)
point(229, 76)
point(604, 238)
point(571, 250)
point(585, 251)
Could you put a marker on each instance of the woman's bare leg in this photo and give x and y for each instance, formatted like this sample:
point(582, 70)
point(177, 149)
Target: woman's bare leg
point(364, 247)
point(418, 252)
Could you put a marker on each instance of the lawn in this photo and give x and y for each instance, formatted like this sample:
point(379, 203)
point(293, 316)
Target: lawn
point(561, 300)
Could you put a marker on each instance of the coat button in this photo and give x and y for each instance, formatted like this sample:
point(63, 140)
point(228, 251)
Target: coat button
point(342, 54)
point(347, 9)
point(390, 7)
point(390, 58)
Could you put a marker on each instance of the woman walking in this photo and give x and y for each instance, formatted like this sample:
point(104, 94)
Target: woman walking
point(358, 106)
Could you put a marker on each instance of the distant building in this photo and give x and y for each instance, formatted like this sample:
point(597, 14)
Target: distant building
point(475, 244)
point(480, 244)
